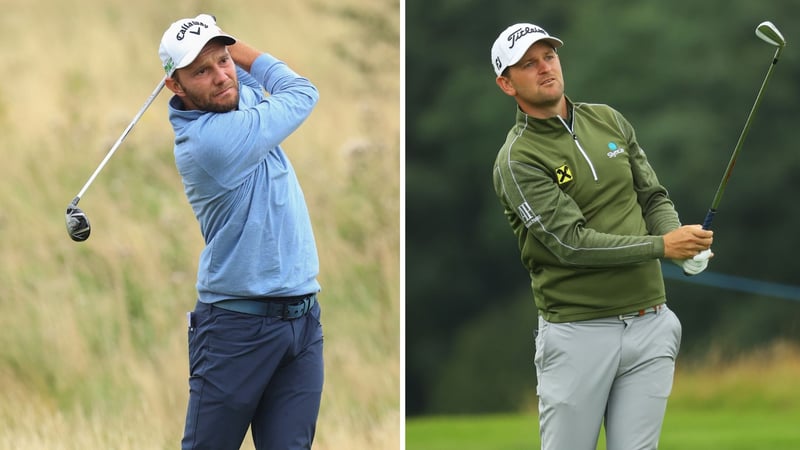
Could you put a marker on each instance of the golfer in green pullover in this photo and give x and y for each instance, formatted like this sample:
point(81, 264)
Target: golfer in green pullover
point(592, 222)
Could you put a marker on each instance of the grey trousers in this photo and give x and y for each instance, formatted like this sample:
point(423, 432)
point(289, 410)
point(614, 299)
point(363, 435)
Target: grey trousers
point(617, 369)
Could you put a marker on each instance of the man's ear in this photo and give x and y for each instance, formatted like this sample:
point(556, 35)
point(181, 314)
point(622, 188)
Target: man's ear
point(505, 85)
point(173, 85)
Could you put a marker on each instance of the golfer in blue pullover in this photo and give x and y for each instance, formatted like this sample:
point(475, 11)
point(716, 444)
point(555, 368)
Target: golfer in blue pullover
point(255, 339)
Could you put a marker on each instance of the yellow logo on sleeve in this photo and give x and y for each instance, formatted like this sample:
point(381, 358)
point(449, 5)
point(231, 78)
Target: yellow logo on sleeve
point(563, 174)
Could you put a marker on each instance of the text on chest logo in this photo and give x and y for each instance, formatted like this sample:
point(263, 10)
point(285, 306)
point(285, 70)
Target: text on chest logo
point(614, 150)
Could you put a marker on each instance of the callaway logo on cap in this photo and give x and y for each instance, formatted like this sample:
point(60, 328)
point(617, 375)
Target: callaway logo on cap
point(514, 41)
point(184, 40)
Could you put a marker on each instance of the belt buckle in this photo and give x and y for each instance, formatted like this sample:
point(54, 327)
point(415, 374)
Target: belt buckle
point(295, 310)
point(655, 309)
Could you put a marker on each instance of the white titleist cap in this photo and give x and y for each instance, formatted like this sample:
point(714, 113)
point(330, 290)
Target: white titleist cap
point(514, 41)
point(184, 39)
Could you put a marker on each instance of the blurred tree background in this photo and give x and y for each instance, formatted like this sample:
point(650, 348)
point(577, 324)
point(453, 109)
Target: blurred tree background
point(685, 73)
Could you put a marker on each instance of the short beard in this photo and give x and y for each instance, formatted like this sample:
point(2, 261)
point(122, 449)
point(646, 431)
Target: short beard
point(208, 106)
point(550, 102)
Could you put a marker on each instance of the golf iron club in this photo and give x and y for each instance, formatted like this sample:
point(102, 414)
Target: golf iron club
point(78, 226)
point(768, 33)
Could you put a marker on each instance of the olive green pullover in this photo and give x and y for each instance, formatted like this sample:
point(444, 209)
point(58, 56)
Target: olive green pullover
point(588, 212)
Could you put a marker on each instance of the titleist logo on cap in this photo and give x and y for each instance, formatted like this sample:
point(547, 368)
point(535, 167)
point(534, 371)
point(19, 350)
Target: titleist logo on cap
point(186, 27)
point(519, 33)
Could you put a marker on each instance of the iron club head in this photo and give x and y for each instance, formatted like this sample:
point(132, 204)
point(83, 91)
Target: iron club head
point(78, 226)
point(768, 32)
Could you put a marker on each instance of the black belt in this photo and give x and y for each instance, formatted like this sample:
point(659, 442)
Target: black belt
point(286, 308)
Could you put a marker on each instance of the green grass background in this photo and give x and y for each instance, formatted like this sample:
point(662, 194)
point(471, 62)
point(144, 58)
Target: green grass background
point(752, 403)
point(684, 429)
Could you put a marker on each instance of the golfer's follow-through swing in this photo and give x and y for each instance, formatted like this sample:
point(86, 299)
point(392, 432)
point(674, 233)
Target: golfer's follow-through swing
point(593, 226)
point(255, 334)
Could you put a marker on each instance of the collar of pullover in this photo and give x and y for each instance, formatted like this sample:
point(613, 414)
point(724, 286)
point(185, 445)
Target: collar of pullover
point(549, 125)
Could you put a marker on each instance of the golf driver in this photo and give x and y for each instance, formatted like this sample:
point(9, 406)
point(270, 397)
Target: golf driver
point(768, 33)
point(78, 226)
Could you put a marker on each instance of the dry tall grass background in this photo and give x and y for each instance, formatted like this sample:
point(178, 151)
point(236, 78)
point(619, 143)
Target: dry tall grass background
point(93, 334)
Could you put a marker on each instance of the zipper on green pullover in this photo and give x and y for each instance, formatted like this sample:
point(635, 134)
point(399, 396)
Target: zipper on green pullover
point(578, 144)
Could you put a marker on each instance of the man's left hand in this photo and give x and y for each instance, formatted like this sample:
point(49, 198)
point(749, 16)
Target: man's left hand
point(698, 263)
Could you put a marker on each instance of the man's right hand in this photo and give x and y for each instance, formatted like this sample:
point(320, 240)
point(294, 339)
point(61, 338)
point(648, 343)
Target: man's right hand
point(687, 241)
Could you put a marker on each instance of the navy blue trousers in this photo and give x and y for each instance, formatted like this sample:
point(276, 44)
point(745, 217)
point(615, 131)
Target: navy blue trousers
point(247, 370)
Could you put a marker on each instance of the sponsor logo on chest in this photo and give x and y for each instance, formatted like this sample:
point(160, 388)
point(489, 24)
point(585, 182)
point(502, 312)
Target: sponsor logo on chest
point(614, 150)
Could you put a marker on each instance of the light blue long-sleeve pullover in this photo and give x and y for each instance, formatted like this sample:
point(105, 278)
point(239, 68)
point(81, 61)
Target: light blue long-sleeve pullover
point(244, 191)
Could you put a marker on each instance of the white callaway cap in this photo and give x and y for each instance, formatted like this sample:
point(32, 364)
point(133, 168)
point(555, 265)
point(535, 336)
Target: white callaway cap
point(514, 41)
point(184, 39)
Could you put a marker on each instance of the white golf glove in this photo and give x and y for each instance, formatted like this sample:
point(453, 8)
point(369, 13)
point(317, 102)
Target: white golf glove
point(697, 264)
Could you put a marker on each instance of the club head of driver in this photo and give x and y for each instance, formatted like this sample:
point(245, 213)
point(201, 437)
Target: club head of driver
point(768, 32)
point(78, 226)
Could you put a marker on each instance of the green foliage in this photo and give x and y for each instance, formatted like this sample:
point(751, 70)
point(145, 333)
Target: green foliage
point(490, 350)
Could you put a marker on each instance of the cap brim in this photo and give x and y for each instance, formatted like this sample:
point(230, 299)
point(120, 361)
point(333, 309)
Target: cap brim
point(555, 42)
